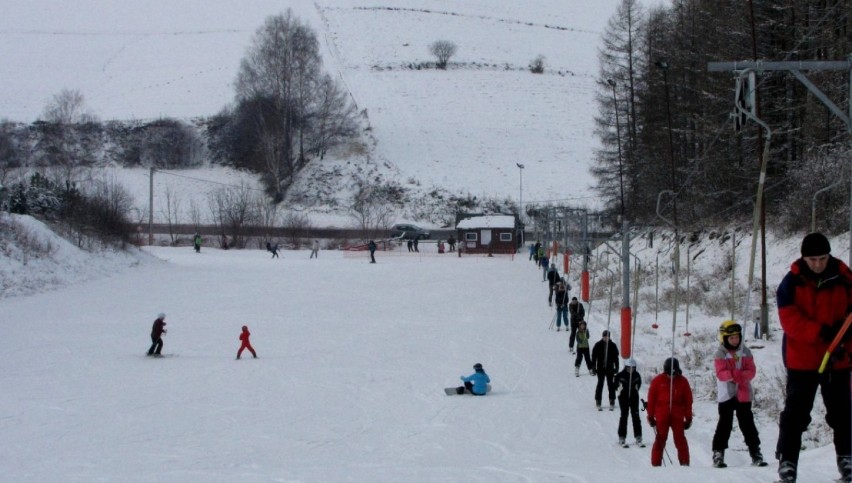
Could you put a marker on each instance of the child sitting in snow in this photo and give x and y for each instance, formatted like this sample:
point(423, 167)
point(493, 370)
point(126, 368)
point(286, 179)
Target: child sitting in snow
point(476, 383)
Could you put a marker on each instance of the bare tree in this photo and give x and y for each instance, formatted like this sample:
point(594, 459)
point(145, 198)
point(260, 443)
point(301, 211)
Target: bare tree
point(68, 107)
point(299, 225)
point(371, 210)
point(232, 209)
point(443, 50)
point(171, 212)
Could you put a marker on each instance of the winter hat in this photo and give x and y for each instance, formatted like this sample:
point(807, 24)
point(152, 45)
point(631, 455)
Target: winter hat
point(727, 329)
point(630, 362)
point(815, 244)
point(605, 333)
point(477, 367)
point(671, 366)
point(161, 315)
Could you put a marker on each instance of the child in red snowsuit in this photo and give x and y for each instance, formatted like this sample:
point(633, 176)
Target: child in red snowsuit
point(244, 337)
point(673, 412)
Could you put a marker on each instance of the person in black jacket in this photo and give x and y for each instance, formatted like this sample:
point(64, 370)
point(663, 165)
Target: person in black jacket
point(372, 247)
point(605, 362)
point(628, 382)
point(552, 279)
point(561, 306)
point(577, 313)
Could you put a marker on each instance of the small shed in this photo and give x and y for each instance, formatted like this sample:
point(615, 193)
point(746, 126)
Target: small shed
point(479, 233)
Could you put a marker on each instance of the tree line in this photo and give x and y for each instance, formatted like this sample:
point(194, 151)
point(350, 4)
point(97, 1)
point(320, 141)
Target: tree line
point(664, 121)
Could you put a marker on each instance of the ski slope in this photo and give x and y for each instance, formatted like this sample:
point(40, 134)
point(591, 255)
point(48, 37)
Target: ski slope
point(348, 385)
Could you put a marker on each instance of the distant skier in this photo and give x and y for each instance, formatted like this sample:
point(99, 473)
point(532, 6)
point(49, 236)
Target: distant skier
point(476, 383)
point(410, 244)
point(416, 243)
point(451, 241)
point(552, 278)
point(544, 266)
point(273, 249)
point(372, 247)
point(577, 313)
point(244, 338)
point(315, 249)
point(561, 306)
point(532, 251)
point(583, 349)
point(629, 381)
point(670, 407)
point(196, 242)
point(605, 362)
point(157, 331)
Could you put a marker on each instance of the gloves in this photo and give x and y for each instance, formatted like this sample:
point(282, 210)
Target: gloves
point(688, 423)
point(828, 332)
point(461, 377)
point(652, 421)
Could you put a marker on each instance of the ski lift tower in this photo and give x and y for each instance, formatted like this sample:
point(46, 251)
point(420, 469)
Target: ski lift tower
point(745, 109)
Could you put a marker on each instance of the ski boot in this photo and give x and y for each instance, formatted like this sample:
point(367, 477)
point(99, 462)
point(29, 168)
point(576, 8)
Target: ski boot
point(787, 472)
point(757, 458)
point(719, 459)
point(577, 371)
point(639, 442)
point(598, 405)
point(844, 466)
point(621, 442)
point(612, 405)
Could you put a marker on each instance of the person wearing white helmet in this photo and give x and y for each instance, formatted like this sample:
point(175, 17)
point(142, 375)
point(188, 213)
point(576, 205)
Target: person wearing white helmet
point(157, 332)
point(628, 382)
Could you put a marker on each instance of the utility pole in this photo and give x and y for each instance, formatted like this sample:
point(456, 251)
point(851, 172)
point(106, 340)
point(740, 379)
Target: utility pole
point(151, 207)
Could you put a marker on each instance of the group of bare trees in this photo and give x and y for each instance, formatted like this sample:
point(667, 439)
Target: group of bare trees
point(287, 110)
point(672, 116)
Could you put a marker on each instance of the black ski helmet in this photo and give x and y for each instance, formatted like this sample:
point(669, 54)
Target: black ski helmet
point(477, 367)
point(671, 367)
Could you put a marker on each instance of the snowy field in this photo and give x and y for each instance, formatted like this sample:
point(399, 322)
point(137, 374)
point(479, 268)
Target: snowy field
point(348, 386)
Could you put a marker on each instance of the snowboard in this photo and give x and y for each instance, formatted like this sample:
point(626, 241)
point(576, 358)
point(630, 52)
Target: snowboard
point(451, 391)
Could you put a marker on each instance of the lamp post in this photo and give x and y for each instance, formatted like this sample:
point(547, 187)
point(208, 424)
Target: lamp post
point(626, 317)
point(521, 201)
point(664, 66)
point(618, 138)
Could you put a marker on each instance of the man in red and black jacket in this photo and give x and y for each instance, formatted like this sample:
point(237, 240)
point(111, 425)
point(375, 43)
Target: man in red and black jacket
point(157, 331)
point(813, 299)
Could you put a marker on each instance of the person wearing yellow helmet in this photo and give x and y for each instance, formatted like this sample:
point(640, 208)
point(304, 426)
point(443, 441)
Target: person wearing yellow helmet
point(735, 369)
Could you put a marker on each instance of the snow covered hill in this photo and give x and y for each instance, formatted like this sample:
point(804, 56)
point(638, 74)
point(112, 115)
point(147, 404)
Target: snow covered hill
point(463, 129)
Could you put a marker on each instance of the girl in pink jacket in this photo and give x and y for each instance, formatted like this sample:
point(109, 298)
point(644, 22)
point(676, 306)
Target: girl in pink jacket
point(244, 338)
point(735, 370)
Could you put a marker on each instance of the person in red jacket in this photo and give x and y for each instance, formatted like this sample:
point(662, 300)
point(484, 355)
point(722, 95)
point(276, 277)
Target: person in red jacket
point(244, 338)
point(670, 407)
point(813, 300)
point(157, 331)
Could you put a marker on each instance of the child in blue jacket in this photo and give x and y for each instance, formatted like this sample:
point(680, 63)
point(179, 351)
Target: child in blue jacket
point(476, 383)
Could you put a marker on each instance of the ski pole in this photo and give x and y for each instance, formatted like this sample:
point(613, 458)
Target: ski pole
point(836, 342)
point(665, 450)
point(553, 321)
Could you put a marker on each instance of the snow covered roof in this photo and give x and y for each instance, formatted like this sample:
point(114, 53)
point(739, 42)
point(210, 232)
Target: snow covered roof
point(487, 221)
